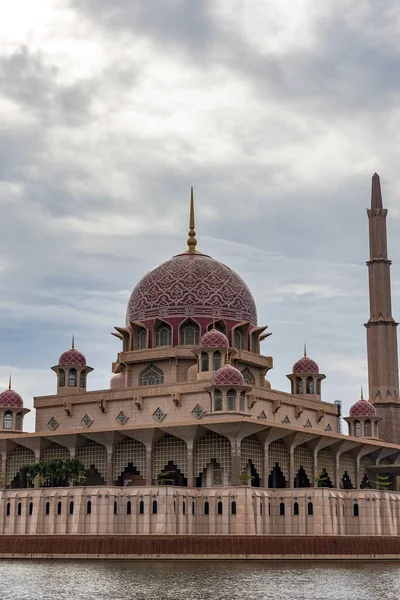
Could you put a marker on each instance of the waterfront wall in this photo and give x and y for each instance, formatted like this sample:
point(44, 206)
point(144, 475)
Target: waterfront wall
point(167, 510)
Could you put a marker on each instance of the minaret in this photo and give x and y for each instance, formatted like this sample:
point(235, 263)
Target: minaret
point(383, 368)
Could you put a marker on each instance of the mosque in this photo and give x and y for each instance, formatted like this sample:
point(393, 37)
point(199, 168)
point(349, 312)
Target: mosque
point(190, 438)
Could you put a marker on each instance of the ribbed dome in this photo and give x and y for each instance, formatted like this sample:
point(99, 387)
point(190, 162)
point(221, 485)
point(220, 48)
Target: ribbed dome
point(192, 285)
point(214, 339)
point(362, 408)
point(11, 399)
point(305, 365)
point(72, 358)
point(228, 375)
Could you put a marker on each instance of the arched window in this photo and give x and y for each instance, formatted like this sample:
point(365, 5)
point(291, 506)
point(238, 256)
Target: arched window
point(261, 508)
point(163, 335)
point(233, 507)
point(296, 509)
point(30, 509)
point(154, 507)
point(242, 401)
point(82, 379)
point(299, 385)
point(184, 507)
point(115, 507)
point(141, 507)
point(309, 385)
point(59, 508)
point(248, 376)
point(357, 427)
point(282, 509)
point(238, 339)
point(231, 400)
point(356, 510)
point(7, 420)
point(72, 378)
point(19, 509)
point(193, 508)
point(310, 509)
point(318, 387)
point(129, 507)
point(217, 360)
point(189, 334)
point(367, 429)
point(71, 507)
point(89, 507)
point(61, 378)
point(47, 508)
point(151, 376)
point(204, 361)
point(206, 508)
point(8, 509)
point(18, 422)
point(217, 400)
point(141, 340)
point(219, 508)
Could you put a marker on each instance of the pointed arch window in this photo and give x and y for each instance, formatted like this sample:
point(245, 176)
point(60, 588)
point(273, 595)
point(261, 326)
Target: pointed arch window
point(129, 507)
point(248, 376)
point(310, 509)
point(206, 508)
point(296, 509)
point(30, 509)
point(367, 429)
point(72, 378)
point(7, 420)
point(309, 385)
point(89, 507)
point(217, 400)
point(163, 335)
point(282, 509)
point(19, 509)
point(299, 385)
point(151, 376)
point(61, 378)
point(356, 510)
point(231, 400)
point(204, 361)
point(220, 508)
point(82, 379)
point(242, 401)
point(18, 422)
point(71, 507)
point(217, 359)
point(154, 507)
point(141, 507)
point(357, 427)
point(189, 334)
point(238, 339)
point(140, 339)
point(233, 507)
point(59, 508)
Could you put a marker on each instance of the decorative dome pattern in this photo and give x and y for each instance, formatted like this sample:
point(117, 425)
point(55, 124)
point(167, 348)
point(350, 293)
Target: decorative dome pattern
point(192, 285)
point(10, 399)
point(228, 375)
point(305, 365)
point(362, 408)
point(214, 339)
point(72, 358)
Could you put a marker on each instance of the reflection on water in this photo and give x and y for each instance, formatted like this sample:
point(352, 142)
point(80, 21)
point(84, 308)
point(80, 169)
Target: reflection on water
point(95, 580)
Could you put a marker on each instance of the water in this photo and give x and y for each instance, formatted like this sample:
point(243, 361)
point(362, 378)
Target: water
point(95, 580)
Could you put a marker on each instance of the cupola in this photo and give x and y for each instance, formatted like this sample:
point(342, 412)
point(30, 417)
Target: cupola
point(228, 391)
point(12, 410)
point(305, 377)
point(362, 420)
point(71, 371)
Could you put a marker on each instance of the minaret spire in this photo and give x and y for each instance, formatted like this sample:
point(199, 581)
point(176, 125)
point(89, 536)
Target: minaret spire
point(73, 342)
point(383, 367)
point(192, 242)
point(9, 382)
point(305, 350)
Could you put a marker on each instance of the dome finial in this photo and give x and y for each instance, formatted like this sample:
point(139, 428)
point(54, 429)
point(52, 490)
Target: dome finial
point(227, 359)
point(362, 394)
point(73, 342)
point(9, 382)
point(305, 350)
point(192, 242)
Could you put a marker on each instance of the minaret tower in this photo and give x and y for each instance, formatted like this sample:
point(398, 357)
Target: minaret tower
point(383, 368)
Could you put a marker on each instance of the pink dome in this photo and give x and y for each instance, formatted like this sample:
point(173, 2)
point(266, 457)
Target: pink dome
point(228, 375)
point(72, 358)
point(362, 408)
point(9, 398)
point(192, 285)
point(305, 365)
point(214, 339)
point(118, 381)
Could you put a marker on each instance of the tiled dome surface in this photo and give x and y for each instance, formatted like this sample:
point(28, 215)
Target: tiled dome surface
point(10, 399)
point(192, 285)
point(228, 375)
point(72, 358)
point(214, 339)
point(362, 408)
point(305, 365)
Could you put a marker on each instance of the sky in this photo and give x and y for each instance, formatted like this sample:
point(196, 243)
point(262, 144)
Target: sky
point(278, 113)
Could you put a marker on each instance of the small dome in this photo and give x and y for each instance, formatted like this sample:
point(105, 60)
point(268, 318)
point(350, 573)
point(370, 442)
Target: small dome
point(117, 382)
point(214, 339)
point(72, 358)
point(305, 365)
point(228, 375)
point(362, 408)
point(9, 398)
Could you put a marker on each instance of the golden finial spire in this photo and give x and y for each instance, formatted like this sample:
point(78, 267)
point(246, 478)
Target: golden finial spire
point(362, 395)
point(305, 350)
point(9, 382)
point(192, 242)
point(73, 342)
point(213, 325)
point(227, 359)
